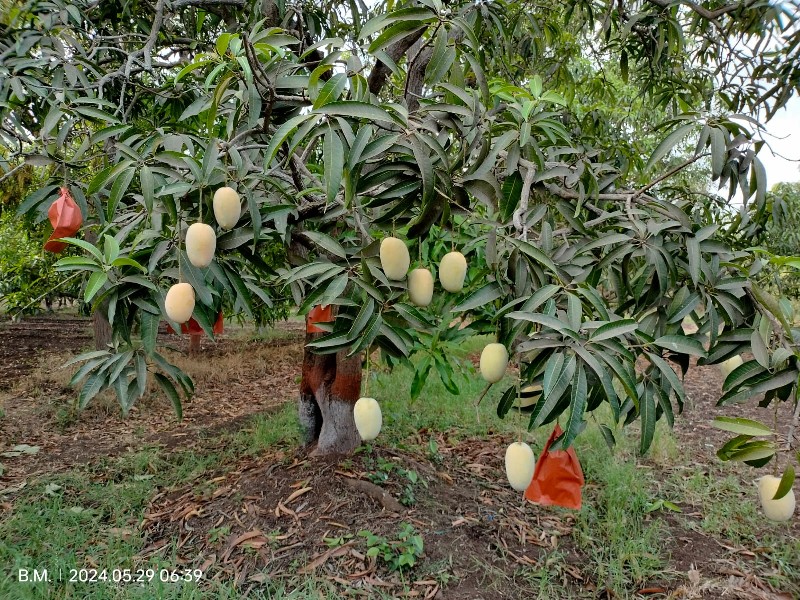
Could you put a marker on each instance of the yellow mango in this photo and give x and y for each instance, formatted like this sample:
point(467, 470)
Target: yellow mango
point(395, 259)
point(452, 271)
point(179, 302)
point(227, 207)
point(368, 418)
point(420, 287)
point(494, 360)
point(520, 465)
point(775, 510)
point(201, 242)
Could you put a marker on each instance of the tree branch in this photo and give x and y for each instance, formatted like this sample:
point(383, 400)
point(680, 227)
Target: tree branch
point(669, 173)
point(380, 72)
point(158, 20)
point(178, 4)
point(704, 12)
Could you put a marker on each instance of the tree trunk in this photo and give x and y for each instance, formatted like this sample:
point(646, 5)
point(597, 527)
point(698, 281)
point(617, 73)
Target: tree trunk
point(103, 334)
point(330, 386)
point(102, 328)
point(194, 343)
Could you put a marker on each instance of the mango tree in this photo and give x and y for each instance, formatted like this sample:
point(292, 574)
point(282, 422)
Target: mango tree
point(565, 151)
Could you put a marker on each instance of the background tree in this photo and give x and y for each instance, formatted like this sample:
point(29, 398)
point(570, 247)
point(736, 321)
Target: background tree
point(495, 128)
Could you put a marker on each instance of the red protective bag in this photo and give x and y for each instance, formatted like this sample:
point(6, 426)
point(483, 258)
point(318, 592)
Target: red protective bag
point(192, 327)
point(319, 314)
point(66, 219)
point(558, 478)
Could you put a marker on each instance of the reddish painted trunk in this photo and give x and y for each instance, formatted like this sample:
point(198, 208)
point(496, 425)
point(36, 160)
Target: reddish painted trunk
point(330, 386)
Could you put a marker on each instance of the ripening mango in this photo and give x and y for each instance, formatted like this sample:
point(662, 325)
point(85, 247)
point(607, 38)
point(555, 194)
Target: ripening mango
point(452, 271)
point(368, 418)
point(726, 367)
point(395, 259)
point(420, 287)
point(775, 510)
point(494, 360)
point(179, 302)
point(520, 465)
point(201, 242)
point(227, 207)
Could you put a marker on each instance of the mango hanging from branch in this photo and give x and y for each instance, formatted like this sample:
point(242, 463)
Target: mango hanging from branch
point(201, 242)
point(179, 303)
point(452, 271)
point(395, 259)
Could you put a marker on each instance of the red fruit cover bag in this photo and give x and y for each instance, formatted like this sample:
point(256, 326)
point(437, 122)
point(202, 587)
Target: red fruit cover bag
point(66, 219)
point(558, 478)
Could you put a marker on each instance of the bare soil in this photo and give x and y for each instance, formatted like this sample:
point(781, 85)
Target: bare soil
point(37, 407)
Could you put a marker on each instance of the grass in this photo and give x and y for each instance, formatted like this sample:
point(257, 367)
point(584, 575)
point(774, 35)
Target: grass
point(90, 514)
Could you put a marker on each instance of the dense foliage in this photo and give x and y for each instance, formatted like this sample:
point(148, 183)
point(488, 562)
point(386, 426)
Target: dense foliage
point(556, 147)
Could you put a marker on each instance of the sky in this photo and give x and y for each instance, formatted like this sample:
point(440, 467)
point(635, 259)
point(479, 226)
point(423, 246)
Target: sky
point(783, 135)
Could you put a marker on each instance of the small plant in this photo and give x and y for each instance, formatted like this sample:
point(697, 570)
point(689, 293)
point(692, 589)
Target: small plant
point(398, 554)
point(383, 474)
point(433, 452)
point(661, 504)
point(215, 534)
point(336, 542)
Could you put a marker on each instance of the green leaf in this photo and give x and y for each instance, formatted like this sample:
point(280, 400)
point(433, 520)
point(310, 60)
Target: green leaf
point(326, 242)
point(149, 330)
point(693, 252)
point(96, 382)
point(536, 254)
point(577, 407)
point(741, 426)
point(425, 165)
point(171, 393)
point(333, 161)
point(669, 374)
point(772, 305)
point(506, 401)
point(480, 297)
point(423, 368)
point(682, 344)
point(331, 91)
point(84, 245)
point(614, 329)
point(787, 481)
point(96, 281)
point(281, 134)
point(647, 414)
point(759, 348)
point(352, 108)
point(545, 406)
point(511, 194)
point(669, 143)
point(118, 190)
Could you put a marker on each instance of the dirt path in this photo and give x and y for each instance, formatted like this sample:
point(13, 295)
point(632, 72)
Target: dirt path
point(234, 378)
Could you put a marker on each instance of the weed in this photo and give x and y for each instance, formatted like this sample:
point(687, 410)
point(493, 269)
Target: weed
point(398, 554)
point(383, 474)
point(216, 534)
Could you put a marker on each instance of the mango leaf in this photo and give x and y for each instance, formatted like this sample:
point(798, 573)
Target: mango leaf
point(682, 344)
point(480, 297)
point(614, 329)
point(668, 143)
point(333, 160)
point(785, 486)
point(741, 426)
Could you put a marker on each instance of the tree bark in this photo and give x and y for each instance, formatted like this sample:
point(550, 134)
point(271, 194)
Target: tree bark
point(103, 334)
point(330, 386)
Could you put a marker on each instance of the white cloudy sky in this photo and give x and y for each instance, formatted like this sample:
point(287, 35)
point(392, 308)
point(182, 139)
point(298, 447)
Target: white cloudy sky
point(783, 135)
